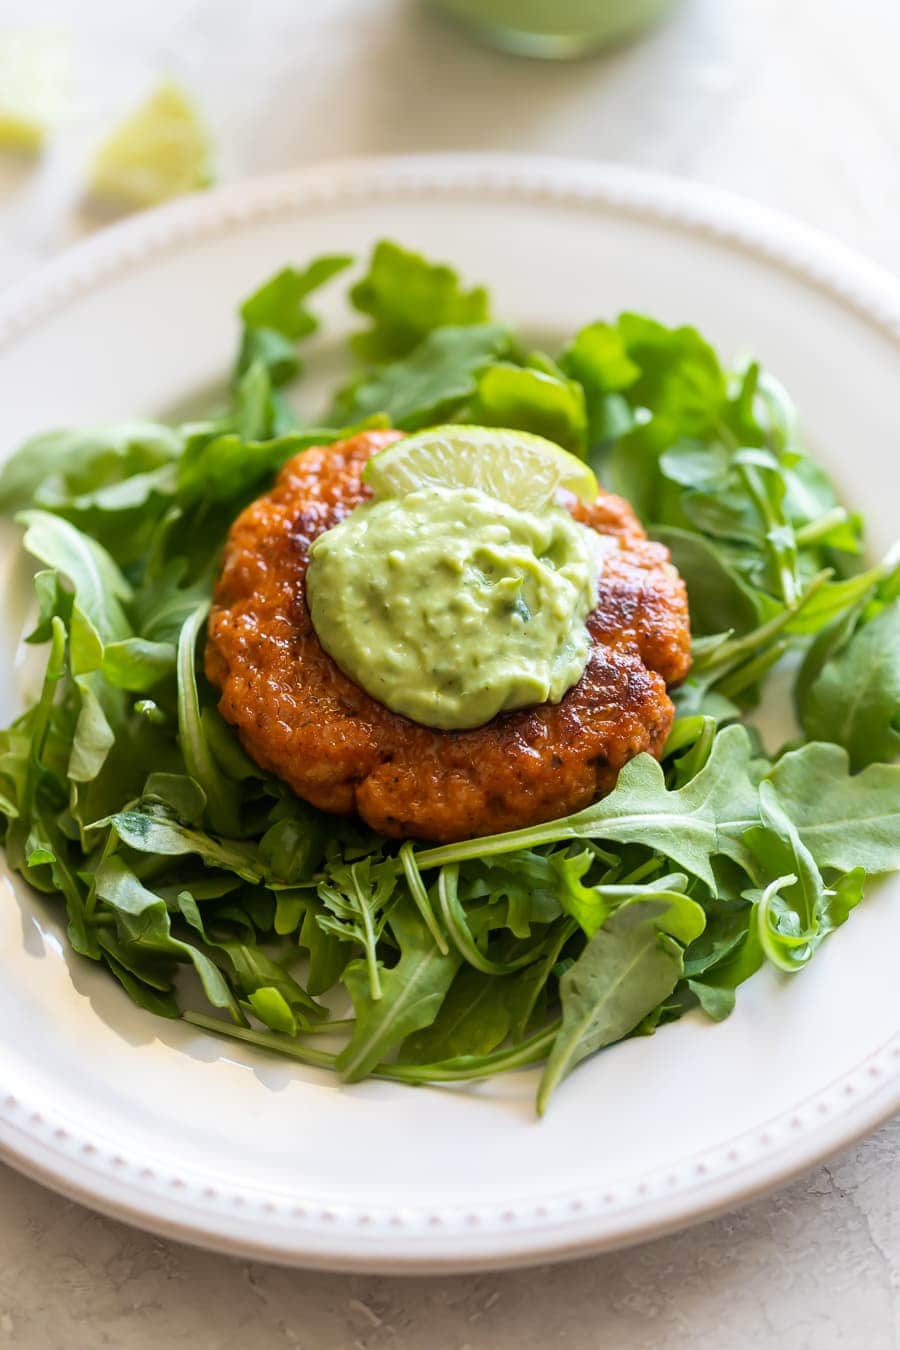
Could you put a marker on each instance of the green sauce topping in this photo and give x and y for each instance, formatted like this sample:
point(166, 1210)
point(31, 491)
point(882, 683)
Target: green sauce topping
point(450, 607)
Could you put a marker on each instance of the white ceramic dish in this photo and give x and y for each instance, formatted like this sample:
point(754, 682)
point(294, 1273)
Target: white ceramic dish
point(199, 1139)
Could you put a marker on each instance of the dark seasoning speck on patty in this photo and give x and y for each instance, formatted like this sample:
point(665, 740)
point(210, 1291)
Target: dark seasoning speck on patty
point(301, 718)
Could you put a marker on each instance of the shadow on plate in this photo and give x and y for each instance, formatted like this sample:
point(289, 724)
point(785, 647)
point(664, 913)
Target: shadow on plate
point(43, 936)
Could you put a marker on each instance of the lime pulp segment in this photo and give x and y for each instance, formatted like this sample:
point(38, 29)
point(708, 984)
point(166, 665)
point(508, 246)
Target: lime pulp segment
point(160, 151)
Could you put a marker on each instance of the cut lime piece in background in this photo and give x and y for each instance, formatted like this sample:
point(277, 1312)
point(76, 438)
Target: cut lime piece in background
point(513, 466)
point(160, 151)
point(33, 73)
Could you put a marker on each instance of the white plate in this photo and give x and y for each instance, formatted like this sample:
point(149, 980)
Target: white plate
point(196, 1138)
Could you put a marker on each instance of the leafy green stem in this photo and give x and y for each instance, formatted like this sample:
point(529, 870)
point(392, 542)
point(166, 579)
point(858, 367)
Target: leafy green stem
point(747, 673)
point(817, 529)
point(197, 756)
point(461, 935)
point(461, 1069)
point(780, 552)
point(370, 942)
point(420, 895)
point(729, 653)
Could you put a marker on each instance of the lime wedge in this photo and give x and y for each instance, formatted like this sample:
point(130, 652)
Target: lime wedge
point(160, 151)
point(513, 466)
point(33, 69)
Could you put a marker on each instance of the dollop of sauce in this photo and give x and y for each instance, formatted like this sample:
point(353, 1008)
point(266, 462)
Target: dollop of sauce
point(450, 607)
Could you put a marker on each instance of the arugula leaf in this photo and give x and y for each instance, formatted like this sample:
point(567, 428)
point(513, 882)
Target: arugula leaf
point(792, 910)
point(143, 921)
point(718, 596)
point(226, 468)
point(627, 968)
point(269, 351)
point(592, 905)
point(278, 304)
point(408, 297)
point(846, 821)
point(420, 897)
point(855, 700)
point(412, 991)
point(272, 1008)
point(717, 1002)
point(430, 384)
point(294, 844)
point(109, 483)
point(598, 359)
point(163, 602)
point(690, 825)
point(474, 1018)
point(61, 471)
point(136, 664)
point(680, 391)
point(156, 834)
point(532, 400)
point(254, 970)
point(94, 736)
point(178, 793)
point(358, 900)
point(140, 991)
point(99, 586)
point(520, 887)
point(222, 807)
point(464, 939)
point(328, 955)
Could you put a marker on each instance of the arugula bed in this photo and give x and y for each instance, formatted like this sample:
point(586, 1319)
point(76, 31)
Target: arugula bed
point(125, 795)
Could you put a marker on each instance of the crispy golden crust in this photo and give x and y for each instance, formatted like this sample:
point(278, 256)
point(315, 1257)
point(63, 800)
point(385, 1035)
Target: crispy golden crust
point(301, 718)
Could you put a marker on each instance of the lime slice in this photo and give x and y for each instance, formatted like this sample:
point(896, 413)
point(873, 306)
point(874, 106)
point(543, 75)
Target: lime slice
point(33, 68)
point(513, 466)
point(160, 151)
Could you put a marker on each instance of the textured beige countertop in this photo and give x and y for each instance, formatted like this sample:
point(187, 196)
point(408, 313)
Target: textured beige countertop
point(791, 102)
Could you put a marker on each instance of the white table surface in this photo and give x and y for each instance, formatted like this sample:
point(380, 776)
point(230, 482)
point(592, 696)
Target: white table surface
point(793, 102)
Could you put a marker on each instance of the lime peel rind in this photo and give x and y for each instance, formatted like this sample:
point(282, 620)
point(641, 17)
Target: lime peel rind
point(516, 467)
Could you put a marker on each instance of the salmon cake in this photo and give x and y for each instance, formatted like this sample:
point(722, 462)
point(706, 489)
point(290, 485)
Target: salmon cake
point(300, 717)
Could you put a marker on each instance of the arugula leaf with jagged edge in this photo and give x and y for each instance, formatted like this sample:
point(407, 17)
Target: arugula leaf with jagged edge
point(429, 385)
point(279, 304)
point(407, 297)
point(845, 820)
point(597, 357)
point(275, 319)
point(411, 992)
point(689, 825)
point(358, 898)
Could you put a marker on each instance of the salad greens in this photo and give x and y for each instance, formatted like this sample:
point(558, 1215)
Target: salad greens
point(126, 796)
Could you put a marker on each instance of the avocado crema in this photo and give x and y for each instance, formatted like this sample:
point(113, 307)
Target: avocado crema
point(449, 606)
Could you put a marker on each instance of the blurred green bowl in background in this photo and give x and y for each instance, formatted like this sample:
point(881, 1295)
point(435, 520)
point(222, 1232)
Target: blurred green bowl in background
point(554, 29)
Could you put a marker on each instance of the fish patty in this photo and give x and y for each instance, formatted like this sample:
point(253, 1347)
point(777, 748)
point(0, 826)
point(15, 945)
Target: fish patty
point(301, 718)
